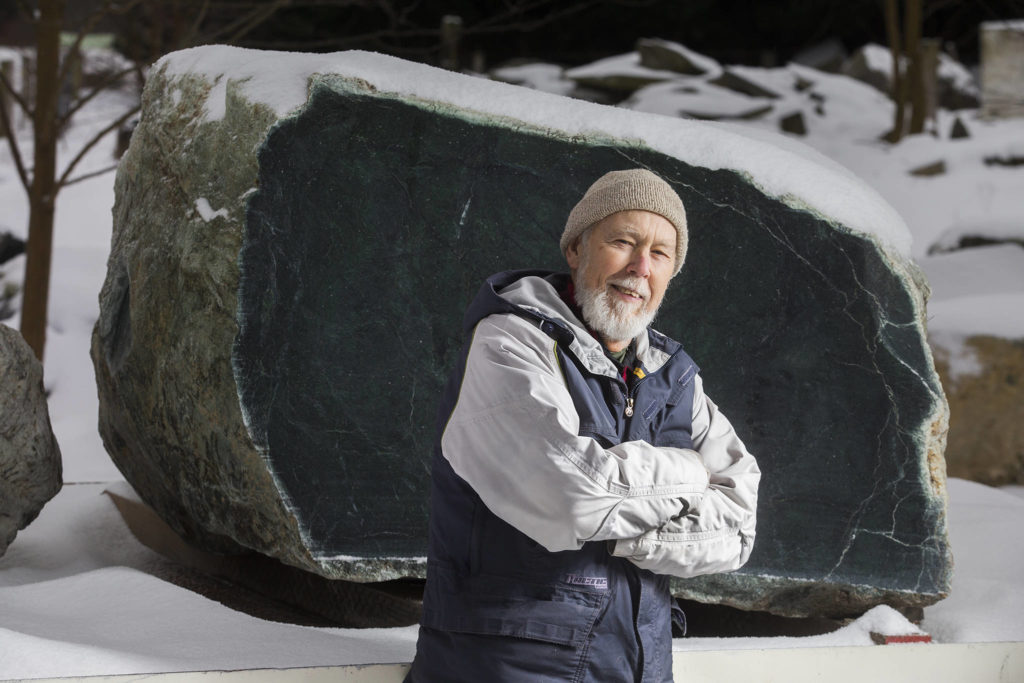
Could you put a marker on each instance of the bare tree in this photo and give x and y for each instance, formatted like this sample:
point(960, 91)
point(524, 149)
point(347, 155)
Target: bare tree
point(155, 27)
point(907, 84)
point(914, 64)
point(42, 179)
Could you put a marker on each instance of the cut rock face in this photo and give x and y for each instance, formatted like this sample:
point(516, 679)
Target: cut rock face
point(284, 301)
point(30, 466)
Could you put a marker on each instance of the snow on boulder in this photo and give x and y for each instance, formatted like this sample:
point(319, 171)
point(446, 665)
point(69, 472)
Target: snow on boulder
point(296, 238)
point(621, 73)
point(30, 466)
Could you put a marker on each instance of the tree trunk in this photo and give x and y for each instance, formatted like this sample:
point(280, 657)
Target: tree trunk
point(43, 191)
point(915, 72)
point(926, 96)
point(899, 92)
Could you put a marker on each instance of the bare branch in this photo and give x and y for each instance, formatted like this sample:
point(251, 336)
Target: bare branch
point(87, 26)
point(108, 7)
point(93, 92)
point(9, 87)
point(92, 143)
point(193, 30)
point(246, 23)
point(12, 142)
point(342, 41)
point(525, 26)
point(26, 10)
point(513, 10)
point(91, 174)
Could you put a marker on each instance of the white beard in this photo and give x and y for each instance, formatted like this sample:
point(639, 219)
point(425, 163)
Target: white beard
point(614, 320)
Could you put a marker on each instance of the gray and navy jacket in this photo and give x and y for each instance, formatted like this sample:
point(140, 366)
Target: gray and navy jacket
point(562, 498)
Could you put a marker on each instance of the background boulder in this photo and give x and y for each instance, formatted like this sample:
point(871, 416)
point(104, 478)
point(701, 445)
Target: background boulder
point(984, 380)
point(30, 466)
point(286, 284)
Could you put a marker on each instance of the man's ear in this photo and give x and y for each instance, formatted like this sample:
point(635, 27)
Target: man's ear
point(572, 254)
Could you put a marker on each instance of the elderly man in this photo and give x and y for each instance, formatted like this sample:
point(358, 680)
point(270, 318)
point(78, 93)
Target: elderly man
point(580, 463)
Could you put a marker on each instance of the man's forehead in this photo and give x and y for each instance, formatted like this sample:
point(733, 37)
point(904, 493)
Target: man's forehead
point(624, 223)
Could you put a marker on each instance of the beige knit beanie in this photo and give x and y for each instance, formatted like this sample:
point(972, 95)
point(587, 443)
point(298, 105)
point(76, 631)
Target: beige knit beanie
point(633, 189)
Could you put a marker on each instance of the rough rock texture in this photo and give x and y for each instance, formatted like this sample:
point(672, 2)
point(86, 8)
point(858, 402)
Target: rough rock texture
point(283, 305)
point(30, 466)
point(986, 404)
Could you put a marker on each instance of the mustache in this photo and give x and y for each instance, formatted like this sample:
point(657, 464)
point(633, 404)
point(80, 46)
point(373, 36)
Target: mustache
point(638, 285)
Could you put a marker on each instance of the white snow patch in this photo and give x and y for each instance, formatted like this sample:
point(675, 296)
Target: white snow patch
point(1003, 24)
point(543, 77)
point(956, 73)
point(206, 211)
point(952, 347)
point(877, 57)
point(977, 291)
point(987, 536)
point(882, 619)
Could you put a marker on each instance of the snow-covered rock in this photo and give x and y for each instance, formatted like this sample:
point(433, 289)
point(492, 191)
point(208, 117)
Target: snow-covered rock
point(296, 236)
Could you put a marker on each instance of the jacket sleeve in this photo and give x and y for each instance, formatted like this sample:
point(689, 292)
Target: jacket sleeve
point(513, 437)
point(719, 535)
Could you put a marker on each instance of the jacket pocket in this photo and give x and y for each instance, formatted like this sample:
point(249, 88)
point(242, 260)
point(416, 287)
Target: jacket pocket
point(503, 606)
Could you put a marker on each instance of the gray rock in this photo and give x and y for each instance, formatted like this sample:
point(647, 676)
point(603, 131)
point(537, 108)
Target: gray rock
point(986, 406)
point(616, 77)
point(794, 123)
point(30, 466)
point(930, 169)
point(959, 130)
point(283, 306)
point(669, 56)
point(10, 246)
point(734, 81)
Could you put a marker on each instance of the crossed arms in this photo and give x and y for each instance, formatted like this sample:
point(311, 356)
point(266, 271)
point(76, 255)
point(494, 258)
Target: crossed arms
point(513, 436)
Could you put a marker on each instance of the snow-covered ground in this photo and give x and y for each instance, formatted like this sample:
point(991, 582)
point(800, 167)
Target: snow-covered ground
point(80, 596)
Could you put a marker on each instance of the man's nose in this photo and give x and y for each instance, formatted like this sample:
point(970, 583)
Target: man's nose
point(640, 263)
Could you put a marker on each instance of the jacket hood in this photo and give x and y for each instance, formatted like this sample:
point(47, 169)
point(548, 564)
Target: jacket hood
point(534, 294)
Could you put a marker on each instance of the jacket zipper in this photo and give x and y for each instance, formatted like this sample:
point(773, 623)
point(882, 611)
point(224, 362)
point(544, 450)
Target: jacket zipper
point(630, 395)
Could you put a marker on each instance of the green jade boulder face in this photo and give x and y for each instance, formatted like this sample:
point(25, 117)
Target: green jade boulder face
point(327, 317)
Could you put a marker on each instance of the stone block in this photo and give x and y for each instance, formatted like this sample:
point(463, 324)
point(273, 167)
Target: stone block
point(1002, 69)
point(30, 466)
point(285, 294)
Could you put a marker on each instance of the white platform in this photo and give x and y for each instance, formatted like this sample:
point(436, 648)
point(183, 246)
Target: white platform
point(969, 663)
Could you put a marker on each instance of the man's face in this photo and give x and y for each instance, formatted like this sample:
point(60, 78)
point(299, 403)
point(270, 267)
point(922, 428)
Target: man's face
point(621, 267)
